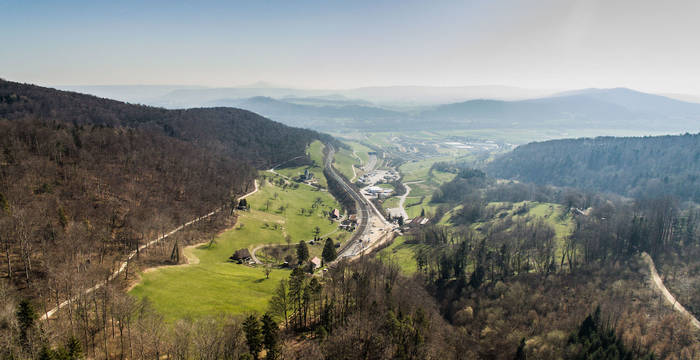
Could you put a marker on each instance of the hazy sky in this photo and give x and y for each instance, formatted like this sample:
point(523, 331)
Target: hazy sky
point(647, 45)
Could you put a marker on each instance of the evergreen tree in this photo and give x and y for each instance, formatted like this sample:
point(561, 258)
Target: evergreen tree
point(598, 340)
point(253, 336)
point(26, 317)
point(302, 252)
point(329, 253)
point(520, 353)
point(73, 347)
point(269, 332)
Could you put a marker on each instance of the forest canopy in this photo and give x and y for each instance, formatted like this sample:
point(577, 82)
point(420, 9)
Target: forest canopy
point(630, 166)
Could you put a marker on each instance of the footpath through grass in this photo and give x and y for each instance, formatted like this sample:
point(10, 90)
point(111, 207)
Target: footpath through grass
point(214, 285)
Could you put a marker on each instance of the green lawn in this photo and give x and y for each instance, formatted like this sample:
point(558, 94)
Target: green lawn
point(215, 285)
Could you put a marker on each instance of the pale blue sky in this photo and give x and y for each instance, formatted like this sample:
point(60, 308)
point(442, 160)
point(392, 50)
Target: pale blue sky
point(560, 44)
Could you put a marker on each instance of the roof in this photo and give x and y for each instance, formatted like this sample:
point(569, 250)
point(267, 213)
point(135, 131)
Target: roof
point(241, 254)
point(316, 261)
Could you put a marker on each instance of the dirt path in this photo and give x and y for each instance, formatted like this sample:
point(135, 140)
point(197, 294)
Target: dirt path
point(125, 263)
point(403, 197)
point(252, 253)
point(667, 294)
point(354, 173)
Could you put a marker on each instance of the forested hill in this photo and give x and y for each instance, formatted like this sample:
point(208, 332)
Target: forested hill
point(84, 180)
point(235, 132)
point(632, 166)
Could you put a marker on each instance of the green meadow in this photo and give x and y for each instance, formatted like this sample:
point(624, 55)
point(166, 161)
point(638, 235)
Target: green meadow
point(215, 285)
point(315, 153)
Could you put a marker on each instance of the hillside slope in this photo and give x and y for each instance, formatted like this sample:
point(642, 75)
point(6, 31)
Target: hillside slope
point(246, 135)
point(84, 180)
point(645, 166)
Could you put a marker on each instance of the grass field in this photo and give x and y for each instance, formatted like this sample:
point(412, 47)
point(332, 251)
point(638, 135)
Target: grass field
point(344, 161)
point(401, 254)
point(548, 212)
point(215, 285)
point(362, 151)
point(315, 152)
point(391, 202)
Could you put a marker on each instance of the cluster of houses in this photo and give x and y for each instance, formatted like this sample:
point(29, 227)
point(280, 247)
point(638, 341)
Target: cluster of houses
point(349, 224)
point(379, 176)
point(378, 191)
point(242, 256)
point(307, 176)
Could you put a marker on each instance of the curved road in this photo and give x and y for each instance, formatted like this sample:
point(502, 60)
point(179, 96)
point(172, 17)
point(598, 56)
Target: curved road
point(667, 294)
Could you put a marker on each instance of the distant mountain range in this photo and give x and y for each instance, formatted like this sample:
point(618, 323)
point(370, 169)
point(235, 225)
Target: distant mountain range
point(173, 96)
point(618, 108)
point(434, 108)
point(326, 115)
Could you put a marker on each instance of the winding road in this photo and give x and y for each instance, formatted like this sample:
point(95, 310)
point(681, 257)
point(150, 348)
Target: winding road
point(132, 254)
point(402, 198)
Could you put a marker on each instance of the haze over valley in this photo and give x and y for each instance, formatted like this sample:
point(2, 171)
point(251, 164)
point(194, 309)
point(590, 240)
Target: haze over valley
point(352, 180)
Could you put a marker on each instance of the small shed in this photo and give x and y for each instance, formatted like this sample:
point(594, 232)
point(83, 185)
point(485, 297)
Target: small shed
point(316, 261)
point(335, 213)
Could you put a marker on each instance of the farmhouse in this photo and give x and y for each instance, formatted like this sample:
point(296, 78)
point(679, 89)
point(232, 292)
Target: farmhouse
point(241, 255)
point(316, 262)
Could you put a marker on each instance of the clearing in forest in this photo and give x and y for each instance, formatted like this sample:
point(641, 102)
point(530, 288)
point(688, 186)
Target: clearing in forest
point(214, 285)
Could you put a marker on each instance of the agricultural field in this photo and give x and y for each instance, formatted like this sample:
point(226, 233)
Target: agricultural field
point(215, 285)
